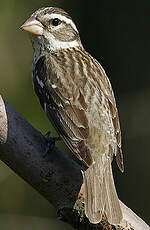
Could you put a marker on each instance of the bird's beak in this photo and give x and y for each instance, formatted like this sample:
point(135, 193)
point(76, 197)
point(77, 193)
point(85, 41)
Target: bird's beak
point(33, 26)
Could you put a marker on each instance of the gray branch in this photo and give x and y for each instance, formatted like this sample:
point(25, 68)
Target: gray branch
point(57, 177)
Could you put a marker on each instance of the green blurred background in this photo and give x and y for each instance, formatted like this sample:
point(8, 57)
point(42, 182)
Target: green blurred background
point(117, 33)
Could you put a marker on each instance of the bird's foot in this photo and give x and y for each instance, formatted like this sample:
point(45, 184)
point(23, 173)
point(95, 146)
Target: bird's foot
point(50, 142)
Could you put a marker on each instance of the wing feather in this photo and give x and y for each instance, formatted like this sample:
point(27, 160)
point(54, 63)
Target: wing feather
point(69, 120)
point(106, 88)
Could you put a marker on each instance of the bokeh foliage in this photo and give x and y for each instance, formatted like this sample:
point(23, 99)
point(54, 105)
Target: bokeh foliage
point(117, 34)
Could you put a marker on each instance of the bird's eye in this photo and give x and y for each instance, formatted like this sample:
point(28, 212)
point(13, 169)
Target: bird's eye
point(56, 22)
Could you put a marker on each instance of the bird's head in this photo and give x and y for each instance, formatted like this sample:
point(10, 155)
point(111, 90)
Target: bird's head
point(52, 28)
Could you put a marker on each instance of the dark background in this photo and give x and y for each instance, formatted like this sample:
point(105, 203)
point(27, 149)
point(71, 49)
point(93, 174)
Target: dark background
point(117, 33)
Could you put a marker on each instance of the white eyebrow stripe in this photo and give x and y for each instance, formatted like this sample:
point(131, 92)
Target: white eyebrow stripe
point(62, 18)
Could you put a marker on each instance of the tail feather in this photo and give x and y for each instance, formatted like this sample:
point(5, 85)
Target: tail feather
point(100, 194)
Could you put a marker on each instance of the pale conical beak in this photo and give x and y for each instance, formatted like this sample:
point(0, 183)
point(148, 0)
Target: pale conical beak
point(33, 26)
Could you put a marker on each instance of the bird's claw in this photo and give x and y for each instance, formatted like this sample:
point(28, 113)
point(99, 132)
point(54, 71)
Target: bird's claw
point(50, 142)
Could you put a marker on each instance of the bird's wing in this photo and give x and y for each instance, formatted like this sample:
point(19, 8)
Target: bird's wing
point(106, 87)
point(69, 120)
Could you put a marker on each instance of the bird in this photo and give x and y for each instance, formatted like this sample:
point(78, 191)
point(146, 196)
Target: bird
point(78, 99)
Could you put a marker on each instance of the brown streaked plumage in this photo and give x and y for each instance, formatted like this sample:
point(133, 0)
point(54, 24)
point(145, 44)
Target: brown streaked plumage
point(77, 97)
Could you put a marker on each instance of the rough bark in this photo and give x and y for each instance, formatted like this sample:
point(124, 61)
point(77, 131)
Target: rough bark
point(57, 177)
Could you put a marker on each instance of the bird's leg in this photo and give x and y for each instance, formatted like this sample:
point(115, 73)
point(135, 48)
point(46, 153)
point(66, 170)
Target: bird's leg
point(50, 142)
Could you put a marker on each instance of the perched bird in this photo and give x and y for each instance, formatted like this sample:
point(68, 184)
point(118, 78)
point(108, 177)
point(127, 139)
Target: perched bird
point(78, 99)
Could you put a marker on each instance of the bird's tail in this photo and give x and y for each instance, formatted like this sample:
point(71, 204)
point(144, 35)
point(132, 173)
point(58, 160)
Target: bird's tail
point(100, 195)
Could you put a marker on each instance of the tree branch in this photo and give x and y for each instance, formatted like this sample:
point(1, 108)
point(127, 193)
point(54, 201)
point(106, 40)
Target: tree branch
point(57, 177)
